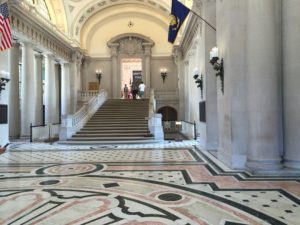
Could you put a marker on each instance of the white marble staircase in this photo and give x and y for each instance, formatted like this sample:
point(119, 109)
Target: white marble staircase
point(117, 121)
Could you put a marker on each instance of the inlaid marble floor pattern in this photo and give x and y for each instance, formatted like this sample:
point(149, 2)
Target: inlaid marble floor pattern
point(130, 185)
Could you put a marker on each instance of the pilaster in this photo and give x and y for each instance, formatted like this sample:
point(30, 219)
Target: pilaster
point(38, 89)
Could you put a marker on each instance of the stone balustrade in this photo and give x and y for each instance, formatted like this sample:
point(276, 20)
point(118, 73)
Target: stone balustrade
point(72, 123)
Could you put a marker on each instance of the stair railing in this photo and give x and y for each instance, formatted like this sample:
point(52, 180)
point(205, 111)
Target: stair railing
point(155, 119)
point(70, 124)
point(84, 96)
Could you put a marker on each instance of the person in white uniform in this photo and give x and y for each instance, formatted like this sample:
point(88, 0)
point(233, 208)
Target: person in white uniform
point(142, 89)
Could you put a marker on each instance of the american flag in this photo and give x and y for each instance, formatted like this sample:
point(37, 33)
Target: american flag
point(5, 32)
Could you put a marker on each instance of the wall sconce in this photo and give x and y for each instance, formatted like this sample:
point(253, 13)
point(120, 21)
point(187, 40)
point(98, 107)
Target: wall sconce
point(163, 74)
point(99, 75)
point(218, 66)
point(3, 82)
point(199, 82)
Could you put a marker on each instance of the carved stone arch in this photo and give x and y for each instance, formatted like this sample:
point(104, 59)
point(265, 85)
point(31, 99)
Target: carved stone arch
point(132, 35)
point(130, 45)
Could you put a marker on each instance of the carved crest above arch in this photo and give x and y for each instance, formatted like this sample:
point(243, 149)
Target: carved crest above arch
point(130, 44)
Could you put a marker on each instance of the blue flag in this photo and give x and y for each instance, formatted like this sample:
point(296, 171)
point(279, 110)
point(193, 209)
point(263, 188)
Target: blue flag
point(178, 14)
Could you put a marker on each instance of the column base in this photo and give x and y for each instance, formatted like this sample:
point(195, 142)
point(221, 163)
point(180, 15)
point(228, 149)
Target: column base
point(293, 164)
point(264, 165)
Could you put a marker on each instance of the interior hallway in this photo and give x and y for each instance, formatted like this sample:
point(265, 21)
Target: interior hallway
point(163, 183)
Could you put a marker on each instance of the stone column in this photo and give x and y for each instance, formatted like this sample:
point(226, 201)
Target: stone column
point(263, 76)
point(50, 90)
point(27, 97)
point(38, 89)
point(57, 76)
point(181, 82)
point(147, 72)
point(115, 92)
point(210, 86)
point(84, 74)
point(65, 89)
point(291, 81)
point(14, 92)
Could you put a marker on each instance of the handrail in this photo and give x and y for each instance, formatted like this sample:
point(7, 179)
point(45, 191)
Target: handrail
point(72, 123)
point(79, 115)
point(86, 95)
point(43, 131)
point(188, 122)
point(154, 119)
point(177, 126)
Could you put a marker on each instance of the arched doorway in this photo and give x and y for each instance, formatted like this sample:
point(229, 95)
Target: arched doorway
point(168, 113)
point(131, 71)
point(130, 46)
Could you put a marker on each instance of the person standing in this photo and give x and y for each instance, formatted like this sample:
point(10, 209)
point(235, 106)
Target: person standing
point(142, 89)
point(134, 89)
point(125, 90)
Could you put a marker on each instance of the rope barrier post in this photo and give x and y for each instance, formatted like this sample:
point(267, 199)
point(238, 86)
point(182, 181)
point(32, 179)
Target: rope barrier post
point(195, 131)
point(30, 132)
point(49, 132)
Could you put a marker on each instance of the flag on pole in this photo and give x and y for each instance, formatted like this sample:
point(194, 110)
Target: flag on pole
point(5, 32)
point(178, 14)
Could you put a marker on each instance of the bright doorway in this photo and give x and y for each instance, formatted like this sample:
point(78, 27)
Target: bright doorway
point(131, 69)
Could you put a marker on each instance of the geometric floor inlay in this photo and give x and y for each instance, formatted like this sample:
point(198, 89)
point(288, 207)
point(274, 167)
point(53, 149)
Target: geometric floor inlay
point(138, 186)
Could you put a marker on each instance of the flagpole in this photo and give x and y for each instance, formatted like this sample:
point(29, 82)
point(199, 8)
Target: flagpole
point(203, 19)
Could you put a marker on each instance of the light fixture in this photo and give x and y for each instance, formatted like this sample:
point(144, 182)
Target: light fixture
point(218, 66)
point(163, 74)
point(130, 24)
point(99, 75)
point(3, 82)
point(199, 81)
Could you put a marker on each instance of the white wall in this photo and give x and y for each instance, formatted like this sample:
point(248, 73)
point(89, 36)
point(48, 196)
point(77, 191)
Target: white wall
point(157, 63)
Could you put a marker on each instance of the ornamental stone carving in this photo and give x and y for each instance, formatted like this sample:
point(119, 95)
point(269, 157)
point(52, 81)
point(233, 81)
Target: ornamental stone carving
point(131, 46)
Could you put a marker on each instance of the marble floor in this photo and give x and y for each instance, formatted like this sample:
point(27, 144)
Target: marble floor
point(164, 183)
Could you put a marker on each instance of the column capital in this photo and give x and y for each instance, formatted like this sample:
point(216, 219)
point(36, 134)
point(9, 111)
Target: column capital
point(15, 44)
point(113, 48)
point(38, 56)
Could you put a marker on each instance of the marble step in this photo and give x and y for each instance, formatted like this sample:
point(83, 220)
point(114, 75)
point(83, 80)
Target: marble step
point(111, 142)
point(132, 138)
point(127, 130)
point(108, 128)
point(110, 135)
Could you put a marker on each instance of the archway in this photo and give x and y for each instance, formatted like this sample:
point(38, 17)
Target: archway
point(168, 113)
point(130, 46)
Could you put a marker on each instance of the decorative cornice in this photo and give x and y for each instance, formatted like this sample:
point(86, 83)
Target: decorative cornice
point(190, 33)
point(27, 27)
